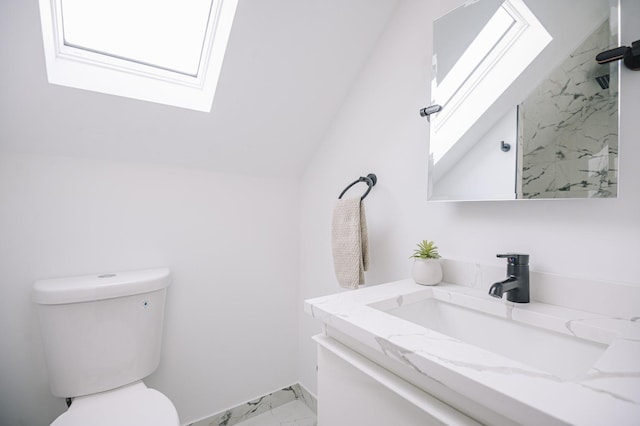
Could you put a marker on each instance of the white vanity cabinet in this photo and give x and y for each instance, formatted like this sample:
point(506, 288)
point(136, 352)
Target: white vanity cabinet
point(385, 360)
point(352, 390)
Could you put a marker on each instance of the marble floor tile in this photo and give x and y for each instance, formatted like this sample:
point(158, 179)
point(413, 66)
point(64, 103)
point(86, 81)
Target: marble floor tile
point(294, 413)
point(243, 412)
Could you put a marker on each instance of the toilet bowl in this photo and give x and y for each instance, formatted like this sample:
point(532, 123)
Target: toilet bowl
point(130, 405)
point(101, 336)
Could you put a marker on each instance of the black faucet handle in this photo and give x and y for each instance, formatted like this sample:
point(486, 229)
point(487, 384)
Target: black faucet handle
point(515, 258)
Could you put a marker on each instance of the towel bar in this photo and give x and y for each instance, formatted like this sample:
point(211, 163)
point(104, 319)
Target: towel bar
point(370, 180)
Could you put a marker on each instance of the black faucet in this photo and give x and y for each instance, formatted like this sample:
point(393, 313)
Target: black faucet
point(517, 283)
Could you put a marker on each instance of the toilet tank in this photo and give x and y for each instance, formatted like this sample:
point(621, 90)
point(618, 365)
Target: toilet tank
point(100, 332)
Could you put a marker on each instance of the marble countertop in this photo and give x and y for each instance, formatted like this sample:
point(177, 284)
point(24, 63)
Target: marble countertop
point(609, 392)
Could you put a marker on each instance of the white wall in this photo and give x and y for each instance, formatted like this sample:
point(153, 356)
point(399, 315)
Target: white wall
point(484, 172)
point(378, 130)
point(228, 239)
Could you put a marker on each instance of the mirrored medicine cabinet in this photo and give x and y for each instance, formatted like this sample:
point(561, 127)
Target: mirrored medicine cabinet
point(526, 112)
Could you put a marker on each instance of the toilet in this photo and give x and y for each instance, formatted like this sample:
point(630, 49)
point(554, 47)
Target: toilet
point(101, 336)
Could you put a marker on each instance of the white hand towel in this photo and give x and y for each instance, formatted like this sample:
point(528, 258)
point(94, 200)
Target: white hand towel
point(350, 242)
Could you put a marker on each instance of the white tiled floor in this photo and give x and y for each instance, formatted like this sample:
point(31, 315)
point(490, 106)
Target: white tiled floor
point(294, 413)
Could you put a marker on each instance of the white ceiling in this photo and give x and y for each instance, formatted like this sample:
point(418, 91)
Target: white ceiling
point(288, 67)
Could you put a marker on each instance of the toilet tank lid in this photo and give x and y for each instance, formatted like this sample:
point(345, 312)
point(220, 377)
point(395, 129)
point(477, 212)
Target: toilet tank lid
point(86, 288)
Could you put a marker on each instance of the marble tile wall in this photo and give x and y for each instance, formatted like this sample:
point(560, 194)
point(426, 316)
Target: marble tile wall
point(569, 128)
point(260, 405)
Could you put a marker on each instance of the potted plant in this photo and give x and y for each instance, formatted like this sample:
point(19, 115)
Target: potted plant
point(426, 265)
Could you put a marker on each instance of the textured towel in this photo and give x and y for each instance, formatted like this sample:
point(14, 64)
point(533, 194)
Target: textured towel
point(350, 242)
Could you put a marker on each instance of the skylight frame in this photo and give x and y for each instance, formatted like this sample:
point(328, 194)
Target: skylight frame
point(84, 69)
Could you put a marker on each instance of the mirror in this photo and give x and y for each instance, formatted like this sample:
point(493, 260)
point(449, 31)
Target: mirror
point(526, 112)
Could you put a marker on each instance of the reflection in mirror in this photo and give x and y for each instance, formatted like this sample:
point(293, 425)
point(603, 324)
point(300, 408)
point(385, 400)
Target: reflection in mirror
point(526, 110)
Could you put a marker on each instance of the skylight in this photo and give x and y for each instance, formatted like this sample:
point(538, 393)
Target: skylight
point(164, 51)
point(164, 34)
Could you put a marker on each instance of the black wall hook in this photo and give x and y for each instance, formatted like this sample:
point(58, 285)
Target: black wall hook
point(370, 180)
point(629, 55)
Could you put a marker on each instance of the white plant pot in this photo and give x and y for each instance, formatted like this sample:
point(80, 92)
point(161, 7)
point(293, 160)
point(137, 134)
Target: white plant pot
point(427, 271)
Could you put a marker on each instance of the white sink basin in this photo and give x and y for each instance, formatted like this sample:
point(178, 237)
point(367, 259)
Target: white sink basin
point(562, 355)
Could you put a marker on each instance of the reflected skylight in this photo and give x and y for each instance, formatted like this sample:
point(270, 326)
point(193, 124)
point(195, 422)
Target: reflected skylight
point(479, 49)
point(503, 49)
point(168, 34)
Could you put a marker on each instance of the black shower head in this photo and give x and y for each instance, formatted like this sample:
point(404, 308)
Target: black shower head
point(603, 81)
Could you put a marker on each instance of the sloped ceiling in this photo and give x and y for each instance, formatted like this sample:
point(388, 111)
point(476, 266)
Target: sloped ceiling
point(288, 67)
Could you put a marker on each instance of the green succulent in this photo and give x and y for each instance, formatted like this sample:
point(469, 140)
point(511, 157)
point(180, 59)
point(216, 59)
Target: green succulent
point(426, 250)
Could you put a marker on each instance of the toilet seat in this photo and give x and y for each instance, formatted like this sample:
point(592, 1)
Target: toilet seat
point(133, 404)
